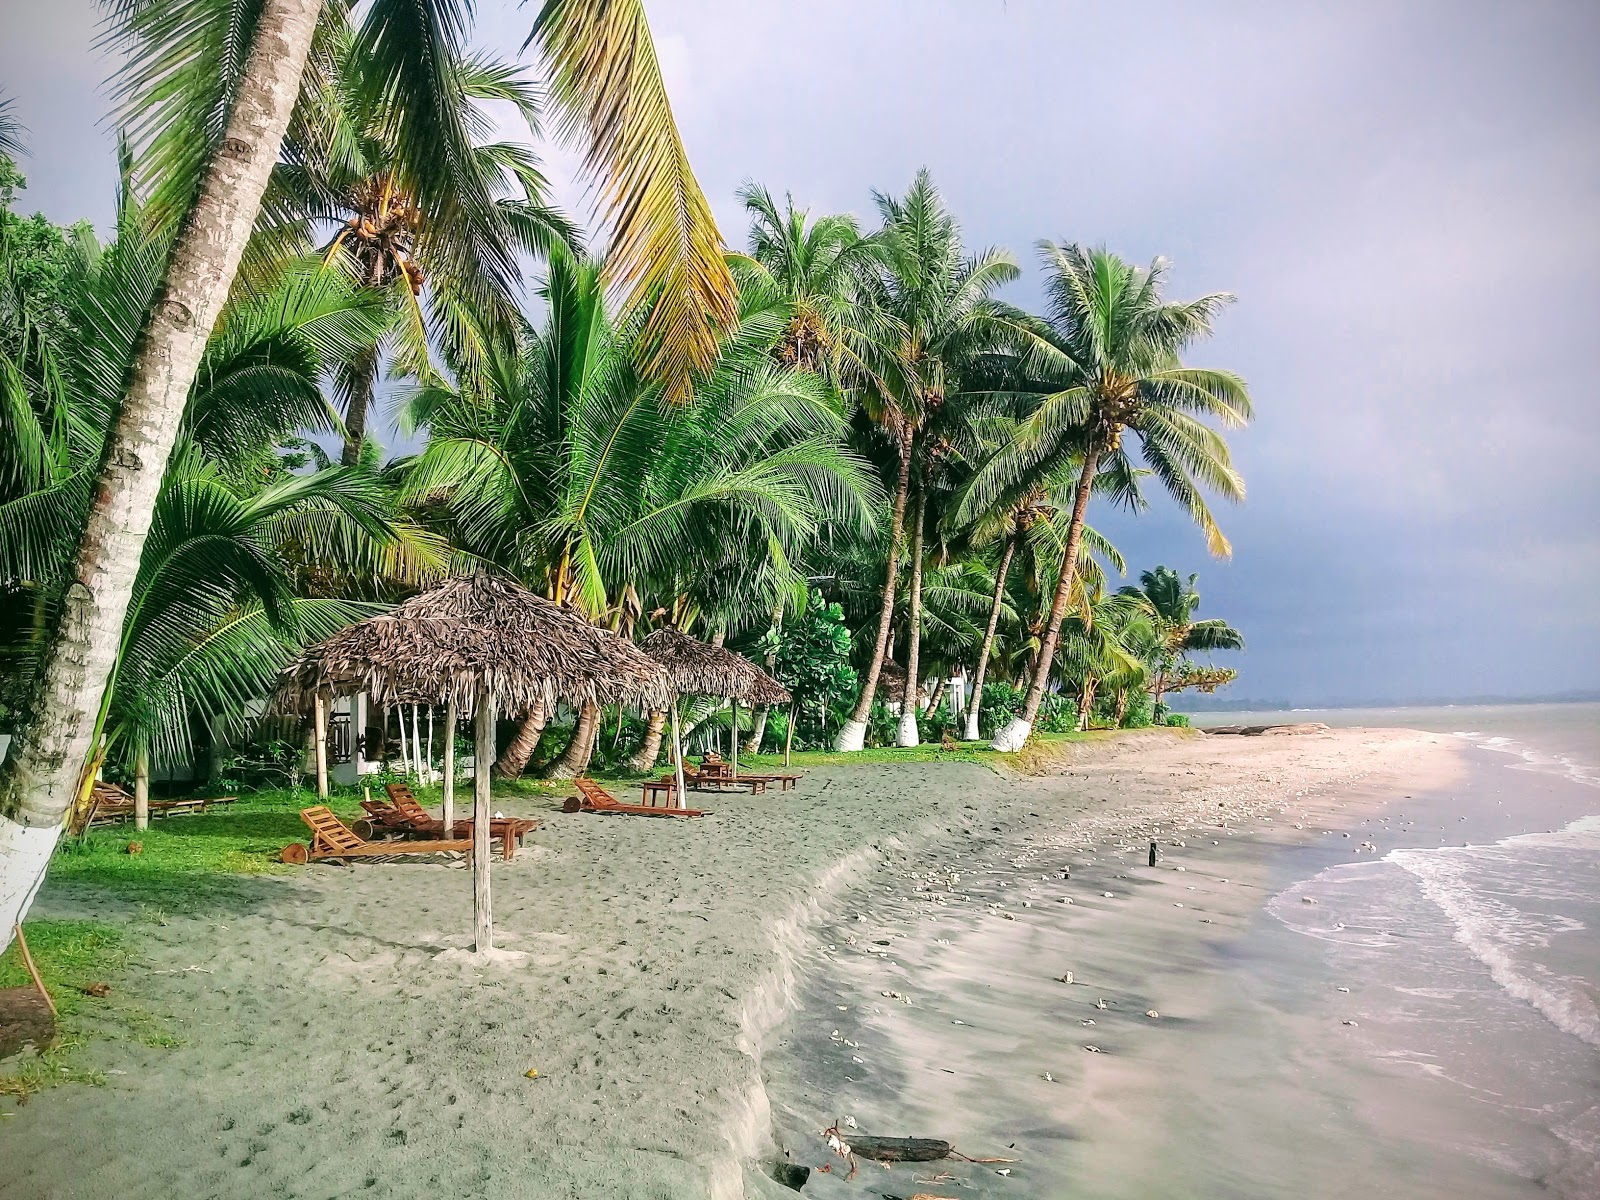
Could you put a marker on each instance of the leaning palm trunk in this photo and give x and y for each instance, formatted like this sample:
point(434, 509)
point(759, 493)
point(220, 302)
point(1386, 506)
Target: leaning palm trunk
point(44, 770)
point(515, 760)
point(909, 734)
point(988, 636)
point(1017, 730)
point(853, 734)
point(644, 758)
point(575, 758)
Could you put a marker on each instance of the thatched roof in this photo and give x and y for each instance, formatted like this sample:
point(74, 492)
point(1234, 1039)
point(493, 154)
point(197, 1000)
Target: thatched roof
point(891, 680)
point(442, 644)
point(706, 670)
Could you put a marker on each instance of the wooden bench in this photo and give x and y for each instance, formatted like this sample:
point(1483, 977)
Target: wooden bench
point(592, 797)
point(720, 780)
point(417, 820)
point(332, 838)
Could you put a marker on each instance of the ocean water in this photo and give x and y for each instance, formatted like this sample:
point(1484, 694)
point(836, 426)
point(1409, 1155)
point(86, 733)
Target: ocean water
point(1429, 1027)
point(1480, 958)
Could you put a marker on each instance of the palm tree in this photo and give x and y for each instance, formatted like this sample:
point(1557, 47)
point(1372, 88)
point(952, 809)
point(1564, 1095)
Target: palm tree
point(820, 268)
point(1035, 520)
point(562, 466)
point(450, 268)
point(1173, 601)
point(211, 98)
point(939, 313)
point(1107, 364)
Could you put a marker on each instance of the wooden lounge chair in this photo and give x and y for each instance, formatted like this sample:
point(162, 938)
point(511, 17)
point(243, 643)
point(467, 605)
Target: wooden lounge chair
point(594, 798)
point(413, 818)
point(332, 838)
point(112, 803)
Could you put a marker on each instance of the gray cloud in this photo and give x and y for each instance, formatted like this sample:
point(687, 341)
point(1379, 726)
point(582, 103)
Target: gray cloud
point(1402, 196)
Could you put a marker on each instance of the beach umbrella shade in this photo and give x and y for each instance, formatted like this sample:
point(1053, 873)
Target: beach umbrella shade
point(478, 645)
point(702, 669)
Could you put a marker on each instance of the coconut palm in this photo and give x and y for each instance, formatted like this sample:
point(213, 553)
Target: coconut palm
point(1173, 601)
point(1108, 364)
point(450, 268)
point(1033, 520)
point(938, 314)
point(215, 609)
point(820, 268)
point(199, 81)
point(560, 464)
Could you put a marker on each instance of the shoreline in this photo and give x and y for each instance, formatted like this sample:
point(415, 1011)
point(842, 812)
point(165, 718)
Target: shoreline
point(661, 964)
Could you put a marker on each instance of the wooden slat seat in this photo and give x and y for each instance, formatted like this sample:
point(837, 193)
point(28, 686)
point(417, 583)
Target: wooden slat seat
point(594, 798)
point(332, 838)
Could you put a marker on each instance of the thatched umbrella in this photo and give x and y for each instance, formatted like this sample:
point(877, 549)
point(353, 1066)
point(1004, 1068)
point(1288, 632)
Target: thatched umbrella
point(480, 645)
point(706, 670)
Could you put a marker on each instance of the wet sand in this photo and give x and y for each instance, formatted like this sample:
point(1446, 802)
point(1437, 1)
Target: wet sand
point(333, 1048)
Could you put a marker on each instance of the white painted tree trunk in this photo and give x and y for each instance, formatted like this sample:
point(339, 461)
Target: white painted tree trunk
point(42, 774)
point(1012, 737)
point(482, 813)
point(972, 720)
point(908, 734)
point(320, 733)
point(852, 736)
point(24, 854)
point(677, 755)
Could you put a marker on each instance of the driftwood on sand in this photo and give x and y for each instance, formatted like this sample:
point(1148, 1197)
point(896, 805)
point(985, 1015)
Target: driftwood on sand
point(899, 1149)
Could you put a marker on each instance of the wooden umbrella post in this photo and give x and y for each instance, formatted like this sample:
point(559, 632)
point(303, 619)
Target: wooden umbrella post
point(733, 741)
point(482, 760)
point(450, 767)
point(677, 754)
point(319, 716)
point(788, 737)
point(141, 788)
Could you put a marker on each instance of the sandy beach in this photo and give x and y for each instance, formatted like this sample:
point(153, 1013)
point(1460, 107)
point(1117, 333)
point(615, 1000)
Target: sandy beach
point(331, 1047)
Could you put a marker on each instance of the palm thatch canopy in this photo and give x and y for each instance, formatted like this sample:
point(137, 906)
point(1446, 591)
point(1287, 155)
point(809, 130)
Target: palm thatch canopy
point(705, 670)
point(472, 632)
point(891, 680)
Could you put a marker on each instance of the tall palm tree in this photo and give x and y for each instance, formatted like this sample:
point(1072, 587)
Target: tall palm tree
point(1106, 365)
point(560, 464)
point(939, 313)
point(1034, 519)
point(211, 96)
point(820, 268)
point(450, 268)
point(1173, 601)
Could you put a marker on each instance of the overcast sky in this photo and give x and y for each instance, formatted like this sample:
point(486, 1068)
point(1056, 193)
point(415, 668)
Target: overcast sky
point(1404, 196)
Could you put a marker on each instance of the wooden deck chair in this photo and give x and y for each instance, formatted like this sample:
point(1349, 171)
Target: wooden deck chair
point(332, 838)
point(417, 820)
point(594, 798)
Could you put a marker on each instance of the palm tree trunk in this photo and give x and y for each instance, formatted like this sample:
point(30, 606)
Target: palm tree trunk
point(44, 768)
point(644, 758)
point(515, 760)
point(909, 734)
point(575, 758)
point(1016, 731)
point(988, 635)
point(1122, 705)
point(938, 695)
point(758, 725)
point(852, 736)
point(1086, 701)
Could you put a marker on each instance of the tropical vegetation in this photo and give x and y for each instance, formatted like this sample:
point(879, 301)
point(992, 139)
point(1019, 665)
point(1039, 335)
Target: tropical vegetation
point(841, 452)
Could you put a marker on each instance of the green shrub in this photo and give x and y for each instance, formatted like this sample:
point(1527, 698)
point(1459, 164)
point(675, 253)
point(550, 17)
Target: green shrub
point(1178, 720)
